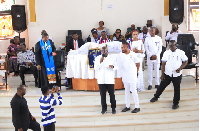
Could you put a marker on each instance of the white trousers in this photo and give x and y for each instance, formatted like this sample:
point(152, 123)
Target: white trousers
point(155, 66)
point(131, 87)
point(140, 81)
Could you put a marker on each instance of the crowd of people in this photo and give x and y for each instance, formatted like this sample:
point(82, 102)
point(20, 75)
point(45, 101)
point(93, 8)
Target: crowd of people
point(133, 49)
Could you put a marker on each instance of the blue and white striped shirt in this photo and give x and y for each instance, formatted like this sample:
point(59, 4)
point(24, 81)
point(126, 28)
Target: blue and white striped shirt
point(46, 105)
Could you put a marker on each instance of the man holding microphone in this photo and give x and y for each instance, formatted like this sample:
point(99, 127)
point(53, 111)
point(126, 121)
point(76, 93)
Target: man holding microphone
point(105, 66)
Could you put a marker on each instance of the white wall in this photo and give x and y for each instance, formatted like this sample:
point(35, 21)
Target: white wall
point(57, 17)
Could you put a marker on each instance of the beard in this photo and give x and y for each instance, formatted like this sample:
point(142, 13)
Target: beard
point(124, 51)
point(23, 94)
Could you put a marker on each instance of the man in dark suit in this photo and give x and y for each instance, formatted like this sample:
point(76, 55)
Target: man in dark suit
point(74, 43)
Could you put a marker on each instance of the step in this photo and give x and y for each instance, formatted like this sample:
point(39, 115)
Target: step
point(153, 124)
point(95, 98)
point(144, 114)
point(162, 103)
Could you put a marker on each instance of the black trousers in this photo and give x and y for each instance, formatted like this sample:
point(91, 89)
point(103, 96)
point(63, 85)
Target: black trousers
point(176, 83)
point(110, 87)
point(50, 127)
point(23, 71)
point(35, 126)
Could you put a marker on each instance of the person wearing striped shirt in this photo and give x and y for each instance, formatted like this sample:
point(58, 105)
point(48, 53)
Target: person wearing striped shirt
point(46, 105)
point(103, 38)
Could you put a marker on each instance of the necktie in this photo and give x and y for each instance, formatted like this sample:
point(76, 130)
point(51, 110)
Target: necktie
point(75, 44)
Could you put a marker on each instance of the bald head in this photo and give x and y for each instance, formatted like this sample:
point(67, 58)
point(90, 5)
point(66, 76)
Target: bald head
point(21, 90)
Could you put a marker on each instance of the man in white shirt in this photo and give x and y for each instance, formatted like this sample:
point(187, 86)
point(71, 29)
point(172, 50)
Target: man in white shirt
point(106, 66)
point(173, 34)
point(173, 61)
point(153, 47)
point(144, 34)
point(130, 65)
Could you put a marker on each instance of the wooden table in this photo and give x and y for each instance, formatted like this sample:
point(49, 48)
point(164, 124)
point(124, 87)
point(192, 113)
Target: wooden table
point(91, 84)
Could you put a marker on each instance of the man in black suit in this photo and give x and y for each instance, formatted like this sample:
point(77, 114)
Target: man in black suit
point(74, 43)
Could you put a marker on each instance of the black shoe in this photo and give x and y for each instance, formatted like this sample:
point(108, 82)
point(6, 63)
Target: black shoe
point(113, 111)
point(103, 111)
point(125, 109)
point(154, 99)
point(156, 86)
point(69, 87)
point(175, 106)
point(149, 87)
point(135, 110)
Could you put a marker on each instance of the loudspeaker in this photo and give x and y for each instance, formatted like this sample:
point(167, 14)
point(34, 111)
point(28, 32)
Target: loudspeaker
point(176, 11)
point(18, 17)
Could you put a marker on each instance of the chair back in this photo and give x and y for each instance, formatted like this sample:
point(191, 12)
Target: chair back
point(59, 60)
point(186, 39)
point(187, 50)
point(79, 33)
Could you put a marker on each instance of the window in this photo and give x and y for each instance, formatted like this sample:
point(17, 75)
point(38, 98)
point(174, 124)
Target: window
point(6, 26)
point(193, 15)
point(5, 18)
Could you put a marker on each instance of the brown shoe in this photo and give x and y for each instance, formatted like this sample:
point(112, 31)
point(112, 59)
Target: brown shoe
point(156, 86)
point(149, 87)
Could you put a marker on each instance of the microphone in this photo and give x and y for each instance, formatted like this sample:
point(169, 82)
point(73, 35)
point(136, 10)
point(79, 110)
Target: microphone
point(103, 55)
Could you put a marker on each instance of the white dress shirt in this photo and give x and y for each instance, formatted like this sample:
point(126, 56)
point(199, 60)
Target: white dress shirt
point(106, 75)
point(172, 36)
point(128, 66)
point(141, 36)
point(173, 62)
point(153, 46)
point(138, 45)
point(76, 44)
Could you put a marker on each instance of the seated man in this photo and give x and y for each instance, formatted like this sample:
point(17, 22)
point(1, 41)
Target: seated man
point(44, 31)
point(74, 43)
point(26, 59)
point(144, 34)
point(173, 34)
point(103, 38)
point(130, 31)
point(117, 36)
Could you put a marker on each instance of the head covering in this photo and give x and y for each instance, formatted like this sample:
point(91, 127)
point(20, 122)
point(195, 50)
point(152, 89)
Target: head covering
point(132, 23)
point(150, 19)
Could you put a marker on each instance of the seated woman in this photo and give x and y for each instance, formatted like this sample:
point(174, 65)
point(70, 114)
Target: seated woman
point(95, 37)
point(101, 28)
point(117, 36)
point(12, 52)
